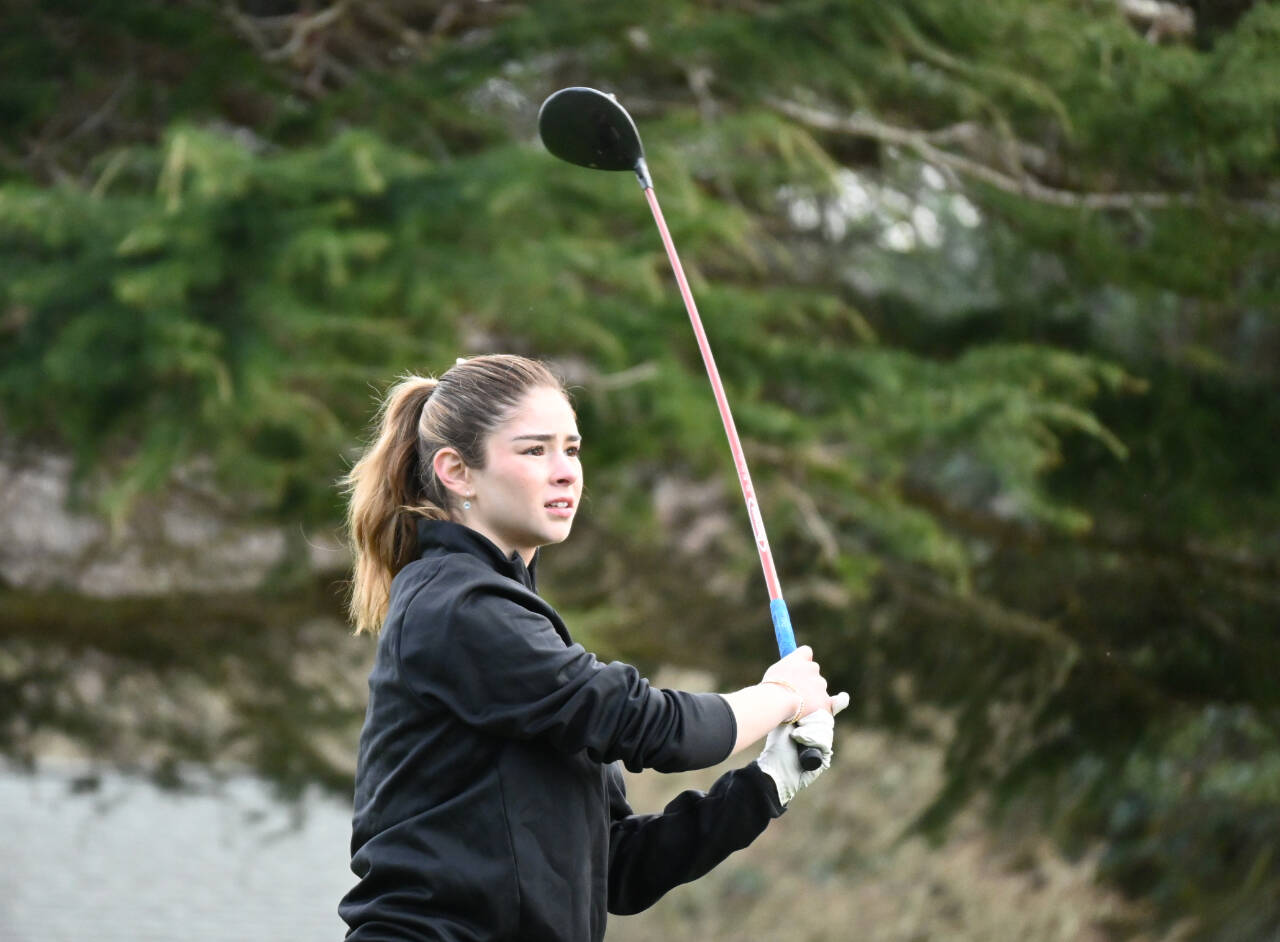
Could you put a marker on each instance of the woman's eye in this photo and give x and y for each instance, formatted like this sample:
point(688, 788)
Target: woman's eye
point(572, 451)
point(533, 450)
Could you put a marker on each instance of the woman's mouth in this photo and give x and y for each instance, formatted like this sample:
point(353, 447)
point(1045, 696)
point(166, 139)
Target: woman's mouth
point(560, 507)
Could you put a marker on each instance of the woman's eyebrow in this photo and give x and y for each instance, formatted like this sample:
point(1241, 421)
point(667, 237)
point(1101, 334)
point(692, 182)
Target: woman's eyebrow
point(543, 437)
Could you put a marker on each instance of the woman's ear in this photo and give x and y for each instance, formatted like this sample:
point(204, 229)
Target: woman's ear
point(452, 471)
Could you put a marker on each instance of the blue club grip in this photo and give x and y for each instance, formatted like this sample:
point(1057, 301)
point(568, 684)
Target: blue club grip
point(782, 627)
point(810, 758)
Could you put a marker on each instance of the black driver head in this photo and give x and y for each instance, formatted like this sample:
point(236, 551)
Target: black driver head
point(589, 128)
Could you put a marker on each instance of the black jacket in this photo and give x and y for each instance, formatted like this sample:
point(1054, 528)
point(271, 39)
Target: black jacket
point(487, 806)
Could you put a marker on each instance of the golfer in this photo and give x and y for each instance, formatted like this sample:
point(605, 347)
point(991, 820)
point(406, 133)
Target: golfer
point(488, 802)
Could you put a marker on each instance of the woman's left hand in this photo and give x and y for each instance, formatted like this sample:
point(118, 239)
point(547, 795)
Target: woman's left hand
point(781, 756)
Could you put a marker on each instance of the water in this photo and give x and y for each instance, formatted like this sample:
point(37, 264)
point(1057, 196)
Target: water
point(127, 860)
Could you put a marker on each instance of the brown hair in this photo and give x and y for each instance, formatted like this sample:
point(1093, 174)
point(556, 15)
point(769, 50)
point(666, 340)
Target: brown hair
point(394, 482)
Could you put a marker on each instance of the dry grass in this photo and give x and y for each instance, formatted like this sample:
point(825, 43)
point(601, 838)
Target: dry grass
point(835, 867)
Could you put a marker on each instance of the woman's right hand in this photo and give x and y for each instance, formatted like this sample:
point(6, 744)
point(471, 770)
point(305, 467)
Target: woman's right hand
point(790, 690)
point(799, 673)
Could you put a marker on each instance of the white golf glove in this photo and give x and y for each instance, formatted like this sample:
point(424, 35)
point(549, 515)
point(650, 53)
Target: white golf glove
point(781, 756)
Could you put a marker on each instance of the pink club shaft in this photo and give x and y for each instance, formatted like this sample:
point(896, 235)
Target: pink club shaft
point(722, 403)
point(810, 758)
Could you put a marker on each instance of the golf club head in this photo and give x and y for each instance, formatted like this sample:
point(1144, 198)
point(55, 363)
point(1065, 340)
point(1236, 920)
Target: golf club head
point(589, 128)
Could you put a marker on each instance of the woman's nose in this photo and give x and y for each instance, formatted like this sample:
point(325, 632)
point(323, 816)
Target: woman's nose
point(564, 470)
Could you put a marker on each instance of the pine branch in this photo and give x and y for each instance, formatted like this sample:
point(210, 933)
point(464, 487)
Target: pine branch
point(1190, 555)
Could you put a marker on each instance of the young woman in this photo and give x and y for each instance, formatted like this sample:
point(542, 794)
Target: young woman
point(488, 805)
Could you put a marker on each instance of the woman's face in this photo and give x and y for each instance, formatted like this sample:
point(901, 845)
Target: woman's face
point(527, 493)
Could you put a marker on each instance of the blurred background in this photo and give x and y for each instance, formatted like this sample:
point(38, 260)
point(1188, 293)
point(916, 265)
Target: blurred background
point(994, 291)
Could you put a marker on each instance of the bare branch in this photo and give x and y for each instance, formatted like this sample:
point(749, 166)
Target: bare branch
point(979, 143)
point(391, 24)
point(631, 376)
point(1160, 19)
point(920, 142)
point(930, 594)
point(303, 28)
point(323, 66)
point(818, 528)
point(100, 115)
point(445, 19)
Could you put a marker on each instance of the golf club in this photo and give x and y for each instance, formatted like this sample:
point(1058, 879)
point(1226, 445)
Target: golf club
point(589, 128)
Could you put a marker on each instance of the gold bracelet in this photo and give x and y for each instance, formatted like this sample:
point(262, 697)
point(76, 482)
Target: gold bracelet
point(800, 709)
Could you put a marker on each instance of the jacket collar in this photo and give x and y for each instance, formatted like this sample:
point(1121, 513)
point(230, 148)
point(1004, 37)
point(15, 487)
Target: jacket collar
point(457, 538)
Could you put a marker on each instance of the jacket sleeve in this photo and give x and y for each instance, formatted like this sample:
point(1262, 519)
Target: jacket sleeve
point(650, 854)
point(502, 667)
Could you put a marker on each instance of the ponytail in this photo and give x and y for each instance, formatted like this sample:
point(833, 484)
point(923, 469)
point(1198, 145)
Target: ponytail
point(394, 484)
point(387, 493)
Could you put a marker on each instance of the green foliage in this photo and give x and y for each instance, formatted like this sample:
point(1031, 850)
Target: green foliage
point(1190, 816)
point(1017, 453)
point(157, 330)
point(84, 78)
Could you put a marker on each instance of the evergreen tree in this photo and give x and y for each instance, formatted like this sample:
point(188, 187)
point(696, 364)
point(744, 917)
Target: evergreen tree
point(993, 288)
